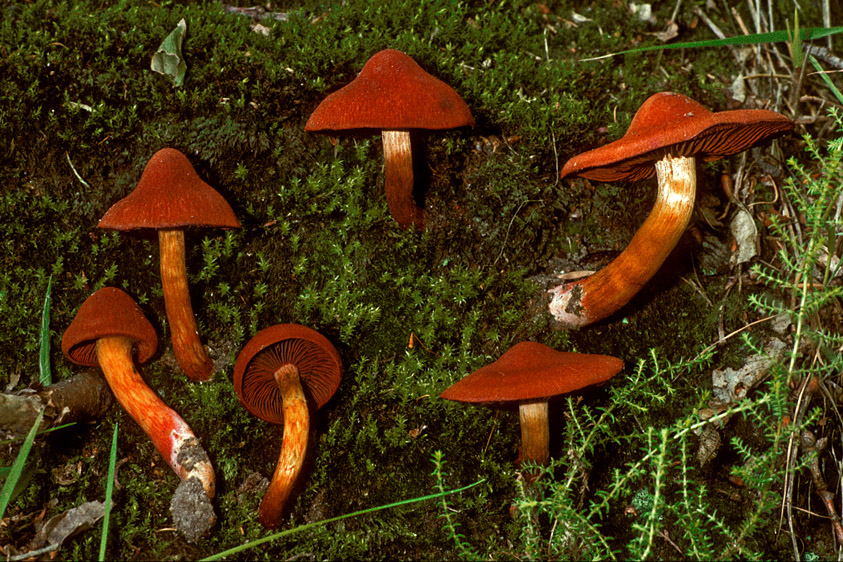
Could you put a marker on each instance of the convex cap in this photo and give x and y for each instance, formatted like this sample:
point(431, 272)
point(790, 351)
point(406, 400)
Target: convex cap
point(391, 92)
point(532, 371)
point(108, 312)
point(170, 194)
point(670, 123)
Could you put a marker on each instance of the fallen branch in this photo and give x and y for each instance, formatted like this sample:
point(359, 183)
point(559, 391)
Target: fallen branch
point(813, 447)
point(84, 397)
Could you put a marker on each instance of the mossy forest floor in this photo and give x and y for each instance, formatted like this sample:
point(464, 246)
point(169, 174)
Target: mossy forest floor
point(411, 312)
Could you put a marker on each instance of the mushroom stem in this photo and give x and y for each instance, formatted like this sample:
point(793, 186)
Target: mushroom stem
point(168, 431)
point(535, 434)
point(586, 301)
point(187, 347)
point(293, 448)
point(398, 179)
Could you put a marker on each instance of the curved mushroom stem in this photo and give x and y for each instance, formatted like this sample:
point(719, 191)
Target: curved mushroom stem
point(168, 431)
point(293, 448)
point(187, 347)
point(582, 302)
point(535, 435)
point(398, 179)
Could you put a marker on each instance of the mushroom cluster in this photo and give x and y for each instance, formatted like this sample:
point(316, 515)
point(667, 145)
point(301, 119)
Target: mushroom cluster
point(288, 371)
point(109, 330)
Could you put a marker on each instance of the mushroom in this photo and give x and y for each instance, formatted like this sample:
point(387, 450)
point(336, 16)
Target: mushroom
point(170, 197)
point(528, 374)
point(394, 94)
point(106, 332)
point(666, 135)
point(277, 373)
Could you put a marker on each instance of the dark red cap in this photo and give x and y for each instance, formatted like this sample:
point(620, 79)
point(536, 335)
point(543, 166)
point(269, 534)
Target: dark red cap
point(170, 194)
point(108, 312)
point(392, 92)
point(670, 123)
point(532, 371)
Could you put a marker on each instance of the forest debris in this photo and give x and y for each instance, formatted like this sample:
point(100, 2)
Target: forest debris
point(262, 29)
point(812, 447)
point(83, 397)
point(643, 12)
point(671, 31)
point(709, 444)
point(746, 235)
point(824, 54)
point(738, 88)
point(730, 385)
point(193, 514)
point(255, 12)
point(63, 526)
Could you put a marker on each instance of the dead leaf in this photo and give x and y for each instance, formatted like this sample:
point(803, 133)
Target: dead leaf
point(670, 32)
point(746, 235)
point(643, 12)
point(709, 445)
point(738, 88)
point(730, 385)
point(63, 526)
point(262, 29)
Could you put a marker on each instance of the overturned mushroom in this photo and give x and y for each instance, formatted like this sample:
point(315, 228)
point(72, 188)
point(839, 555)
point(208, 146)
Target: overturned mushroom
point(528, 375)
point(107, 331)
point(395, 95)
point(666, 135)
point(277, 373)
point(170, 197)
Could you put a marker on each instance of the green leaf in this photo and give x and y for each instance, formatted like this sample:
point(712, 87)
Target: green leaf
point(18, 466)
point(109, 488)
point(826, 79)
point(168, 59)
point(752, 39)
point(306, 526)
point(44, 354)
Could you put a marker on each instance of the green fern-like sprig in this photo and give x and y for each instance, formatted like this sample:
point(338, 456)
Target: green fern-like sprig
point(464, 549)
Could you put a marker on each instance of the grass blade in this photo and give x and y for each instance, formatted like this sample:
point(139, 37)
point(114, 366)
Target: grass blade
point(109, 488)
point(17, 466)
point(752, 39)
point(44, 355)
point(301, 528)
point(826, 79)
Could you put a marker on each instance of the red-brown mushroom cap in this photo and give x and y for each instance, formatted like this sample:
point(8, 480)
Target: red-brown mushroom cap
point(108, 312)
point(392, 92)
point(532, 371)
point(316, 359)
point(170, 194)
point(670, 123)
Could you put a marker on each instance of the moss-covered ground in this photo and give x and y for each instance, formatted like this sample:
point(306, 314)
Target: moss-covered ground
point(410, 312)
